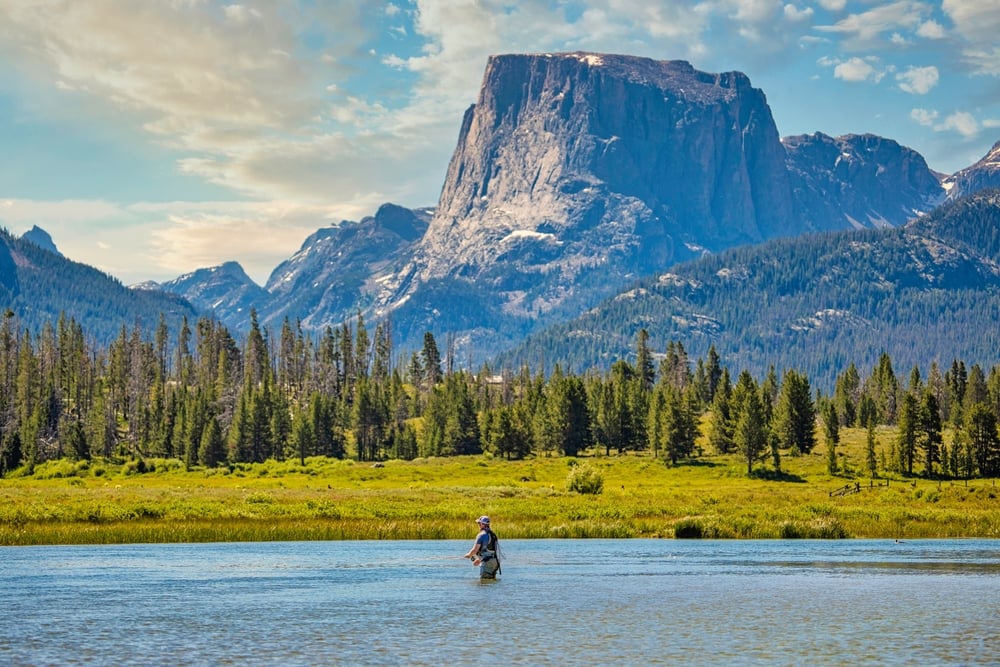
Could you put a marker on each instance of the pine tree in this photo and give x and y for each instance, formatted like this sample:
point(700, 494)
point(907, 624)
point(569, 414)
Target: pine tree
point(907, 430)
point(846, 395)
point(832, 432)
point(870, 462)
point(678, 428)
point(212, 451)
point(930, 431)
point(795, 414)
point(430, 358)
point(984, 442)
point(750, 434)
point(645, 372)
point(720, 435)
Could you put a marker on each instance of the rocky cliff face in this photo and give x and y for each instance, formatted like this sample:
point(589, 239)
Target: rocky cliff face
point(332, 276)
point(858, 181)
point(570, 164)
point(980, 176)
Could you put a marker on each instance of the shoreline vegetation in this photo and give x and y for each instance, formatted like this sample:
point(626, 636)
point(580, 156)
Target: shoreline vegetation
point(632, 495)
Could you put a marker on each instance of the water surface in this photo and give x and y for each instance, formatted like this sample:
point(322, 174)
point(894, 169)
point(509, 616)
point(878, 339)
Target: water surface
point(576, 602)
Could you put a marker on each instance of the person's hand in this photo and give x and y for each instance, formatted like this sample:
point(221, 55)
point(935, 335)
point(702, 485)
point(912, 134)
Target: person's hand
point(477, 561)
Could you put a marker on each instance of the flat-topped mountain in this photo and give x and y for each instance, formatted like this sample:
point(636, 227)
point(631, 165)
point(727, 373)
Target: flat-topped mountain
point(574, 176)
point(576, 173)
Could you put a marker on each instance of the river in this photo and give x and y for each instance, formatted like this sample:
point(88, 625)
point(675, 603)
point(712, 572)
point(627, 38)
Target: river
point(557, 602)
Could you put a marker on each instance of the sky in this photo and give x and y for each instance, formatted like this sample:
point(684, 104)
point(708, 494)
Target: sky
point(152, 138)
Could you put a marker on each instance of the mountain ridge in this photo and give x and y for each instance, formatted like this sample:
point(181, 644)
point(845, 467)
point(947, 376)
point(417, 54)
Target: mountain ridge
point(925, 291)
point(575, 176)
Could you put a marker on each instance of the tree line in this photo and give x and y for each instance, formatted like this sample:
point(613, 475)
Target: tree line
point(209, 400)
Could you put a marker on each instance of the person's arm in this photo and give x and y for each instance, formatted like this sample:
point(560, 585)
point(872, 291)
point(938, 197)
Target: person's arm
point(475, 549)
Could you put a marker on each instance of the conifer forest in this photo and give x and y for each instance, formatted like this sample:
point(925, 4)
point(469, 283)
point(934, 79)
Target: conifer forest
point(208, 400)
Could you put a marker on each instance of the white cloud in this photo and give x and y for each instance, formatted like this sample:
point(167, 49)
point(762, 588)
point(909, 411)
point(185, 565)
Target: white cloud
point(962, 122)
point(857, 70)
point(854, 70)
point(260, 235)
point(925, 117)
point(793, 13)
point(976, 20)
point(918, 80)
point(931, 30)
point(833, 5)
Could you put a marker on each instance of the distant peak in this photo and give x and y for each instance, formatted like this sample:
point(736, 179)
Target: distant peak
point(41, 238)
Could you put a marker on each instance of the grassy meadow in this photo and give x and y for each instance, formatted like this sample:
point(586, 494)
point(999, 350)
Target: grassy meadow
point(710, 497)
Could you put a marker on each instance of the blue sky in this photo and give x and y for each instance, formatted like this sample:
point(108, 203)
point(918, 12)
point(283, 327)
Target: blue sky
point(151, 138)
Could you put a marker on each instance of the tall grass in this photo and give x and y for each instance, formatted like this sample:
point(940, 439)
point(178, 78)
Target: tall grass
point(639, 496)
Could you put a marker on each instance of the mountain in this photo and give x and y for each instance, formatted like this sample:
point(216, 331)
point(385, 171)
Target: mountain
point(926, 291)
point(38, 286)
point(577, 173)
point(333, 274)
point(574, 176)
point(324, 283)
point(983, 174)
point(40, 238)
point(858, 181)
point(225, 291)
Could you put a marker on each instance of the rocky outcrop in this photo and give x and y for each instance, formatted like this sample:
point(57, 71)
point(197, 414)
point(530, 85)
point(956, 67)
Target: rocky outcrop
point(858, 181)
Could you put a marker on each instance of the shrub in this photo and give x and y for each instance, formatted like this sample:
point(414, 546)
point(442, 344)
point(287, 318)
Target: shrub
point(688, 529)
point(584, 479)
point(55, 469)
point(260, 498)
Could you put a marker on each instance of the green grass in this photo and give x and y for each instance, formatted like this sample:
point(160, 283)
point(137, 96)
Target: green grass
point(711, 497)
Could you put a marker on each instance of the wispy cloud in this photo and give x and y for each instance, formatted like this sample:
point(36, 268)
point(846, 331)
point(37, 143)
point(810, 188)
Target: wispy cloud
point(863, 29)
point(925, 117)
point(978, 23)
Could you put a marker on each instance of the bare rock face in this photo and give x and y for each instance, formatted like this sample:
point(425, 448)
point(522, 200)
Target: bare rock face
point(983, 175)
point(330, 278)
point(858, 181)
point(574, 163)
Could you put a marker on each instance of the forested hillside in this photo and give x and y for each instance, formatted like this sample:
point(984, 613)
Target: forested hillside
point(926, 292)
point(39, 286)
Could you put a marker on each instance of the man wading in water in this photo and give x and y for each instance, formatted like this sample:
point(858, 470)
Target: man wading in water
point(485, 552)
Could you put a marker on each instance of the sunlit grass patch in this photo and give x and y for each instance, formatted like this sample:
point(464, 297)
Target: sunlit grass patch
point(708, 498)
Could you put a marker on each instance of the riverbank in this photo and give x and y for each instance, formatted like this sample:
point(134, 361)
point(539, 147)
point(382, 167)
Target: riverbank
point(710, 497)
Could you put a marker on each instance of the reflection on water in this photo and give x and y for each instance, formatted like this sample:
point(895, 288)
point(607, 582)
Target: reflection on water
point(558, 602)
